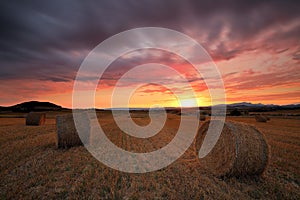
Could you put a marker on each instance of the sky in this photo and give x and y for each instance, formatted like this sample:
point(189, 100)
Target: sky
point(254, 44)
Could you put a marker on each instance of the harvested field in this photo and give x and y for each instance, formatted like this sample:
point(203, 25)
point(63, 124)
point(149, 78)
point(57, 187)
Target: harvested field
point(32, 166)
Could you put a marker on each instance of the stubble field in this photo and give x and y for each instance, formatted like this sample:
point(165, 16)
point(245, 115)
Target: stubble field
point(32, 167)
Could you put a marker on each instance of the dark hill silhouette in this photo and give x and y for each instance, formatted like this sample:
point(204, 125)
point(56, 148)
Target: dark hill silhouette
point(33, 106)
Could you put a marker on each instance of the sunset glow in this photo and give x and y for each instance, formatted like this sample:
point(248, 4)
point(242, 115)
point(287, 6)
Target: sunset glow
point(257, 52)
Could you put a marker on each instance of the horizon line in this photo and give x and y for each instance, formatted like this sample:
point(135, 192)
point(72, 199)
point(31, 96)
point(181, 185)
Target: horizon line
point(165, 107)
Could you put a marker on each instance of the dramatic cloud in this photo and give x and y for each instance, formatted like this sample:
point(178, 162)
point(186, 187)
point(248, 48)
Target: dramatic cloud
point(46, 41)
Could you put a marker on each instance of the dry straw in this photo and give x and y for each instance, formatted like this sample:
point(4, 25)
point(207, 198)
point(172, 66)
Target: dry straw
point(67, 135)
point(176, 112)
point(94, 137)
point(139, 114)
point(260, 118)
point(240, 151)
point(267, 117)
point(202, 117)
point(35, 119)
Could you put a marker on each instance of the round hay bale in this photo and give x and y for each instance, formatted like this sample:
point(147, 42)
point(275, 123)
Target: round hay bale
point(202, 117)
point(267, 117)
point(94, 136)
point(178, 112)
point(35, 119)
point(260, 118)
point(241, 150)
point(67, 135)
point(173, 111)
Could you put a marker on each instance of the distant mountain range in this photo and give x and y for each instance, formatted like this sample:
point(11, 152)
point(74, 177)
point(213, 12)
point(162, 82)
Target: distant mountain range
point(250, 106)
point(47, 106)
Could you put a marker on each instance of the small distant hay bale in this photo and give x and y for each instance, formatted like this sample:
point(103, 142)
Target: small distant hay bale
point(240, 151)
point(260, 118)
point(202, 117)
point(35, 119)
point(267, 117)
point(67, 135)
point(176, 112)
point(172, 111)
point(139, 114)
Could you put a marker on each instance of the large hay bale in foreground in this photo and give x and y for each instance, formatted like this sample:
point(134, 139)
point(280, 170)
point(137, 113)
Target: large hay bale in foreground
point(260, 118)
point(67, 135)
point(35, 119)
point(240, 151)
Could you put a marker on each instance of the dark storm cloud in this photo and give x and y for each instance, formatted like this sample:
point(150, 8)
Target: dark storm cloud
point(49, 39)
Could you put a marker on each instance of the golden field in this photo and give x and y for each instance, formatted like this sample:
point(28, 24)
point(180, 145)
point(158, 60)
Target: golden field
point(32, 167)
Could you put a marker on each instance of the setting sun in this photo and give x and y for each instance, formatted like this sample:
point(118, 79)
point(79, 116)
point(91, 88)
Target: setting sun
point(188, 103)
